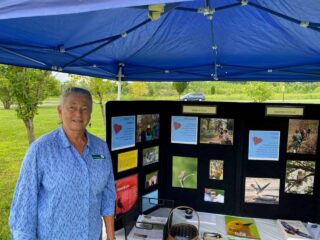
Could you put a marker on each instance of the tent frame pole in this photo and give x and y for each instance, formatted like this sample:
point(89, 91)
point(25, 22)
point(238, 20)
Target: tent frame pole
point(120, 76)
point(23, 56)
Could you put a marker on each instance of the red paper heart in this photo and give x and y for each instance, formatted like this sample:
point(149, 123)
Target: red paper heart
point(117, 128)
point(257, 140)
point(176, 125)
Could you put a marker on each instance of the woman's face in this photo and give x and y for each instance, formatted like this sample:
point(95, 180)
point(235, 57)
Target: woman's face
point(75, 113)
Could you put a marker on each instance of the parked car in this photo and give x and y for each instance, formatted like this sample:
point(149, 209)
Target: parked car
point(198, 96)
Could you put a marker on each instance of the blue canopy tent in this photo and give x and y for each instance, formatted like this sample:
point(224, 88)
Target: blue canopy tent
point(230, 40)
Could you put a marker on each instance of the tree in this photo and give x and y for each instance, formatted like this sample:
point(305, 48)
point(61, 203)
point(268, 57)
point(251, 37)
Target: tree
point(124, 87)
point(180, 87)
point(5, 94)
point(101, 90)
point(77, 81)
point(213, 90)
point(29, 87)
point(258, 91)
point(138, 89)
point(55, 87)
point(160, 89)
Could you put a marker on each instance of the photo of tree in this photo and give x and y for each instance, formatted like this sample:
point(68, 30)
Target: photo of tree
point(300, 177)
point(148, 127)
point(216, 131)
point(184, 172)
point(214, 195)
point(216, 169)
point(302, 136)
point(150, 155)
point(262, 190)
point(151, 179)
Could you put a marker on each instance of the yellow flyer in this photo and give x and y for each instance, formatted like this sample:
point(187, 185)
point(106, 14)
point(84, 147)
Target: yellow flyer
point(127, 160)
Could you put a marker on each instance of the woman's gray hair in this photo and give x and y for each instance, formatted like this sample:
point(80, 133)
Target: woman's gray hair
point(75, 90)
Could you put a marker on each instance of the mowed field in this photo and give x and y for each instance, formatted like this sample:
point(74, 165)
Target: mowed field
point(14, 143)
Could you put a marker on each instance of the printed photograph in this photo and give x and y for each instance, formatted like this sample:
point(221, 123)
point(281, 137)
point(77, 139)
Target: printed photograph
point(150, 200)
point(264, 145)
point(184, 172)
point(148, 127)
point(262, 190)
point(127, 160)
point(241, 228)
point(300, 177)
point(150, 155)
point(214, 195)
point(123, 132)
point(302, 136)
point(184, 129)
point(151, 179)
point(216, 169)
point(294, 229)
point(127, 193)
point(216, 131)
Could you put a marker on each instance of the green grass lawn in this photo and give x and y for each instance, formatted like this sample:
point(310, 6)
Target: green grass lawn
point(13, 145)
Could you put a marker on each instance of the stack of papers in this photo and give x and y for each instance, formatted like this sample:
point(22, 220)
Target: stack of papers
point(152, 219)
point(147, 227)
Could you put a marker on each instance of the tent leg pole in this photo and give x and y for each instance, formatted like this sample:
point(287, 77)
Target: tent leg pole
point(119, 81)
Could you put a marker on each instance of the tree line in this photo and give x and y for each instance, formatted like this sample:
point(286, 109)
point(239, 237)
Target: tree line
point(27, 88)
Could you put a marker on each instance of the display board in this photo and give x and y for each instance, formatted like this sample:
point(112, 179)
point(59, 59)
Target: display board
point(249, 159)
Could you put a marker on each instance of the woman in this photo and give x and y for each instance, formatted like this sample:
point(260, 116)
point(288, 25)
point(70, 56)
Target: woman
point(66, 180)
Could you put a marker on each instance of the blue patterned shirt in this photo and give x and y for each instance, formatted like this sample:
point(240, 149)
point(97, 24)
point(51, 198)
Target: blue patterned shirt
point(61, 194)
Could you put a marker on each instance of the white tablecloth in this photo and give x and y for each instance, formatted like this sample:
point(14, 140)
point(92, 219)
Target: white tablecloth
point(267, 228)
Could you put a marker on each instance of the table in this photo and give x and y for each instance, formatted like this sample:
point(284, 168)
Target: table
point(267, 228)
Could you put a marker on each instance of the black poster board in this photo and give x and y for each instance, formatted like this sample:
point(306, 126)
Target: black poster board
point(247, 117)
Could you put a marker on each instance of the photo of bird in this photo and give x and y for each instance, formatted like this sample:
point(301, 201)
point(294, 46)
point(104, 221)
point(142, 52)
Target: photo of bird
point(300, 177)
point(259, 191)
point(262, 190)
point(182, 177)
point(294, 231)
point(241, 228)
point(120, 205)
point(184, 172)
point(258, 188)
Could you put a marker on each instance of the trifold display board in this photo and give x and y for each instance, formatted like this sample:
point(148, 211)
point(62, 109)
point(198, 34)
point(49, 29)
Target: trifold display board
point(248, 159)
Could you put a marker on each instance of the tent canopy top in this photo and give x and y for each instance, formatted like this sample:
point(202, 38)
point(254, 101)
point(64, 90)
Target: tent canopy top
point(197, 40)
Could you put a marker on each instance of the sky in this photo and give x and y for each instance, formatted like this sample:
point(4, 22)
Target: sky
point(62, 77)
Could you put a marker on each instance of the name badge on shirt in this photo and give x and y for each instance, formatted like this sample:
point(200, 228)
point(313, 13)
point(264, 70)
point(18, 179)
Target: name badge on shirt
point(97, 156)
